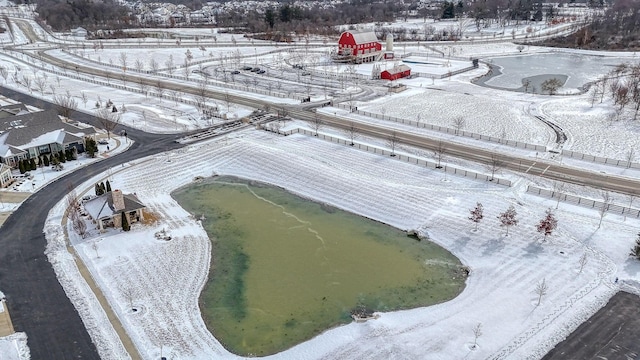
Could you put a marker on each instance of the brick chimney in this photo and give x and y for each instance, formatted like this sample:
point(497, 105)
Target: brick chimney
point(118, 200)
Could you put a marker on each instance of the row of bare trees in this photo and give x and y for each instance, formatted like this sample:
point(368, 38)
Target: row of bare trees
point(623, 85)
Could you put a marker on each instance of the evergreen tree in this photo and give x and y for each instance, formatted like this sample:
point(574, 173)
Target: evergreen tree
point(90, 146)
point(40, 161)
point(45, 158)
point(97, 190)
point(125, 222)
point(635, 250)
point(108, 186)
point(32, 164)
point(103, 189)
point(61, 156)
point(21, 167)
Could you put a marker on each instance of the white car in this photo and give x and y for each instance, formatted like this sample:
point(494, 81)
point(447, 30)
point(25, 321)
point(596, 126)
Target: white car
point(103, 142)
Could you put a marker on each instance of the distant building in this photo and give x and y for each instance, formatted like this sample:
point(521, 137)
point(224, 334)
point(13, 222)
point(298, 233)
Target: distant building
point(359, 46)
point(397, 72)
point(106, 210)
point(79, 32)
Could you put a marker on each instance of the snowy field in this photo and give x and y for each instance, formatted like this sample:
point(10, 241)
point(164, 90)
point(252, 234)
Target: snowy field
point(505, 270)
point(499, 293)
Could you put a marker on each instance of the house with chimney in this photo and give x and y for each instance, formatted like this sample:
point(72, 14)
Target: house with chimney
point(106, 210)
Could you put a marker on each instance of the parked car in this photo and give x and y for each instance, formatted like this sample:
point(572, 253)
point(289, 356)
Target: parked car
point(305, 73)
point(103, 142)
point(235, 72)
point(246, 68)
point(261, 71)
point(255, 69)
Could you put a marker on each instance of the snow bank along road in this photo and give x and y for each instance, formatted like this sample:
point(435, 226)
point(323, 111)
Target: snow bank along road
point(36, 300)
point(481, 155)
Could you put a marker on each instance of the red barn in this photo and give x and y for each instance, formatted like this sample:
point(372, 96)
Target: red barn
point(397, 72)
point(362, 46)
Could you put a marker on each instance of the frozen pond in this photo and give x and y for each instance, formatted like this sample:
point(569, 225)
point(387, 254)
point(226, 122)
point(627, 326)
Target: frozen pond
point(578, 68)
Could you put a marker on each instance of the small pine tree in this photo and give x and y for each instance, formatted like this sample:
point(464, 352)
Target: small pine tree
point(125, 222)
point(547, 225)
point(103, 189)
point(108, 184)
point(635, 250)
point(97, 190)
point(90, 146)
point(40, 161)
point(21, 167)
point(32, 164)
point(45, 159)
point(61, 156)
point(476, 214)
point(508, 218)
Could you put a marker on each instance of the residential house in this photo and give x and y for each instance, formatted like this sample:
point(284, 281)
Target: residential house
point(27, 135)
point(6, 177)
point(106, 210)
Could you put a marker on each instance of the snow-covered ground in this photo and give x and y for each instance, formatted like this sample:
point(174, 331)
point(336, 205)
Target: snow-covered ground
point(500, 294)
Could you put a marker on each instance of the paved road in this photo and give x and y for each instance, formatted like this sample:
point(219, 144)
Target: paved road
point(537, 167)
point(612, 333)
point(36, 301)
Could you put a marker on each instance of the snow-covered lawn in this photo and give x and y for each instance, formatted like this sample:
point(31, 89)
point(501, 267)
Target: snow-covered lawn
point(499, 293)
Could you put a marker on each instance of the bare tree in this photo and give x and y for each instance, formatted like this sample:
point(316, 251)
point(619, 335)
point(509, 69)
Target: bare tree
point(139, 65)
point(128, 294)
point(606, 201)
point(508, 218)
point(65, 104)
point(4, 73)
point(108, 119)
point(558, 188)
point(84, 99)
point(630, 156)
point(541, 290)
point(169, 64)
point(160, 89)
point(27, 81)
point(631, 197)
point(438, 153)
point(123, 60)
point(494, 165)
point(94, 246)
point(352, 132)
point(41, 84)
point(153, 64)
point(316, 124)
point(392, 142)
point(551, 85)
point(477, 332)
point(547, 224)
point(595, 94)
point(583, 261)
point(459, 123)
point(477, 214)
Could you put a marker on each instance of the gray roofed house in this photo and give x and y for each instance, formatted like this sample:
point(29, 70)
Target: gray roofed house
point(106, 209)
point(28, 135)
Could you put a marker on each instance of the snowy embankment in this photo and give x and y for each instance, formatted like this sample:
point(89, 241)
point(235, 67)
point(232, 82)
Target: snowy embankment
point(500, 290)
point(14, 347)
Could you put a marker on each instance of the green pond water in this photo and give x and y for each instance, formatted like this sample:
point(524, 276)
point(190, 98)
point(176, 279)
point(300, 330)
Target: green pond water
point(285, 269)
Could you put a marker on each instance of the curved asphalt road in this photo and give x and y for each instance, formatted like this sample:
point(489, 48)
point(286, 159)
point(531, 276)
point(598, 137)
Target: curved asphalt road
point(37, 303)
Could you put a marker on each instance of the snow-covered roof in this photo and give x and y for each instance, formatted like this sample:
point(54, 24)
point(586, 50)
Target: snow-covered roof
point(363, 37)
point(101, 207)
point(398, 69)
point(27, 130)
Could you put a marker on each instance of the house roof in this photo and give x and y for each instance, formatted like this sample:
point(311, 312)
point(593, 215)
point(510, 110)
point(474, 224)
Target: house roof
point(4, 168)
point(398, 69)
point(39, 128)
point(101, 207)
point(12, 110)
point(363, 37)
